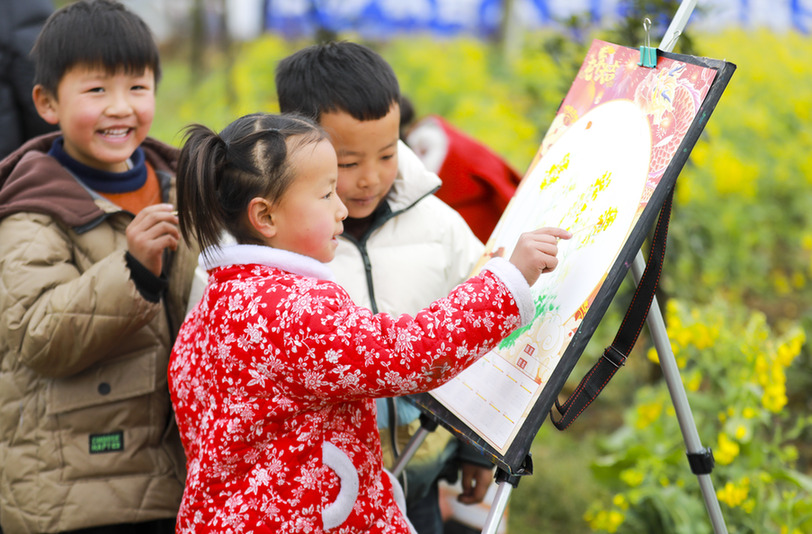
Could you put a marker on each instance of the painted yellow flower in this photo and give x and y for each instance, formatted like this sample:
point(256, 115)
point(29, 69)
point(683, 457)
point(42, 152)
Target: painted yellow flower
point(600, 184)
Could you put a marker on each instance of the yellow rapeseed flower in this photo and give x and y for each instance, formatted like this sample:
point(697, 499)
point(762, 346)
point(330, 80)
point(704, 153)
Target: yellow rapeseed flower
point(784, 355)
point(694, 382)
point(806, 241)
point(774, 397)
point(727, 451)
point(683, 337)
point(732, 494)
point(606, 520)
point(648, 413)
point(632, 477)
point(762, 369)
point(672, 309)
point(780, 283)
point(615, 520)
point(732, 175)
point(620, 501)
point(797, 341)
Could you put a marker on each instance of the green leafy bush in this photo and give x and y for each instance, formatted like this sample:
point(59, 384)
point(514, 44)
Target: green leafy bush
point(734, 368)
point(743, 215)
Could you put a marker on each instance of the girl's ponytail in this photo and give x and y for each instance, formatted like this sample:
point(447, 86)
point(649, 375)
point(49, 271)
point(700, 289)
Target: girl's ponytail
point(201, 163)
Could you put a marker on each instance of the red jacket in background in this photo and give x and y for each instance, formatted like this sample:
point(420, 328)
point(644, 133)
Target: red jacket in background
point(477, 182)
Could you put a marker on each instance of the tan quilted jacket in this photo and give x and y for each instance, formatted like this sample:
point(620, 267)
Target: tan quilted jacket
point(87, 436)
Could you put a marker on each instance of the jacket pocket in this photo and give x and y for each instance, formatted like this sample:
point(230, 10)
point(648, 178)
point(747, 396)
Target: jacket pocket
point(104, 383)
point(108, 421)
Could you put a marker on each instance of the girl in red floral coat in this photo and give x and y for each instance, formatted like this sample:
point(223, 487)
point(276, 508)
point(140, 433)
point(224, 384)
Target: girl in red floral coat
point(274, 373)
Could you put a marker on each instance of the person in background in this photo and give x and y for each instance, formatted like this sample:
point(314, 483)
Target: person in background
point(20, 23)
point(93, 285)
point(477, 182)
point(275, 369)
point(401, 248)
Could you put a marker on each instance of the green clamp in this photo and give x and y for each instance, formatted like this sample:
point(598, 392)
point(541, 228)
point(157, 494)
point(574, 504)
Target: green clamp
point(648, 54)
point(648, 57)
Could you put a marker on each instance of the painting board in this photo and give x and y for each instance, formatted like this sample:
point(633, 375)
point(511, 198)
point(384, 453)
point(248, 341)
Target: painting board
point(609, 159)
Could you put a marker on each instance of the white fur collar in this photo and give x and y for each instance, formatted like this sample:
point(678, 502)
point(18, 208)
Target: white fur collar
point(235, 254)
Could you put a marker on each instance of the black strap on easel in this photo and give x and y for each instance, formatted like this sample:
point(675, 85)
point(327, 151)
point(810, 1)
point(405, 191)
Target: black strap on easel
point(615, 355)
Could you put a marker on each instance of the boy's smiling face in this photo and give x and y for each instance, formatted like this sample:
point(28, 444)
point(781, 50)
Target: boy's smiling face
point(367, 158)
point(103, 117)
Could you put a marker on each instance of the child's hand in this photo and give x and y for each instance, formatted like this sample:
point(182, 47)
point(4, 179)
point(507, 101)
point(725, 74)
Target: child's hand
point(536, 251)
point(154, 229)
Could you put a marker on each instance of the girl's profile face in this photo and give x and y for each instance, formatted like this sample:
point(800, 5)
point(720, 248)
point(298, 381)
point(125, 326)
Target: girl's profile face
point(307, 218)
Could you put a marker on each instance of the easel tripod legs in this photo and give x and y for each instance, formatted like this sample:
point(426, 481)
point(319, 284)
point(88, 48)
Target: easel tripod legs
point(498, 506)
point(505, 484)
point(668, 363)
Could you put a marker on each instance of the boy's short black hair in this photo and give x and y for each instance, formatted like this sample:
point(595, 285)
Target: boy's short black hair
point(336, 76)
point(95, 33)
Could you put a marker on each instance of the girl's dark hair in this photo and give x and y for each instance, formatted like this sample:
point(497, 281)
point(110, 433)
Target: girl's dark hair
point(219, 174)
point(93, 33)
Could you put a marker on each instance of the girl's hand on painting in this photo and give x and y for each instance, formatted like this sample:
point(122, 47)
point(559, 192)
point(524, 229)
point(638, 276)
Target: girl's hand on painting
point(536, 252)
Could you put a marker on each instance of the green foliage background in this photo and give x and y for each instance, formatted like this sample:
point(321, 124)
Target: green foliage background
point(736, 289)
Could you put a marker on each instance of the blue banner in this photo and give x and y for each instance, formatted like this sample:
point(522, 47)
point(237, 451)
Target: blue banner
point(380, 19)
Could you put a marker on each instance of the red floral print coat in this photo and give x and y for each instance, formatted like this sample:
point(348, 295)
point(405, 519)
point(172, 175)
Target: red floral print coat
point(273, 377)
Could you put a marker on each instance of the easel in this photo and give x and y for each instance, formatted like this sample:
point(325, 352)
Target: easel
point(700, 458)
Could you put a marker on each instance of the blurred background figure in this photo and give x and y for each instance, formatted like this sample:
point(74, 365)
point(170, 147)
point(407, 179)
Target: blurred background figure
point(20, 22)
point(477, 182)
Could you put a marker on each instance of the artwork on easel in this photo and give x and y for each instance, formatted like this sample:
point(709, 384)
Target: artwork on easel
point(610, 156)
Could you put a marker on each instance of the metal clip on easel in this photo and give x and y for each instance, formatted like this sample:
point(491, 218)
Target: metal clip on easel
point(648, 55)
